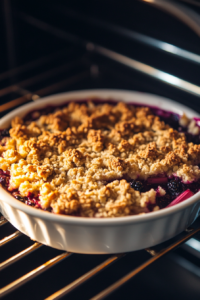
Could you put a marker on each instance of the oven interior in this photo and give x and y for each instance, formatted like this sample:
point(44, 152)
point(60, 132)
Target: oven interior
point(58, 46)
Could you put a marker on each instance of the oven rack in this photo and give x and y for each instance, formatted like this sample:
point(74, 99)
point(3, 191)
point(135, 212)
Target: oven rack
point(155, 252)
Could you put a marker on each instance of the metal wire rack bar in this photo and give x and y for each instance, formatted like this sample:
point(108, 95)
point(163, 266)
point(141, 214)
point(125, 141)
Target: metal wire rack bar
point(192, 2)
point(133, 35)
point(57, 295)
point(186, 15)
point(64, 291)
point(153, 72)
point(10, 238)
point(35, 63)
point(45, 75)
point(44, 91)
point(3, 221)
point(19, 255)
point(155, 257)
point(17, 283)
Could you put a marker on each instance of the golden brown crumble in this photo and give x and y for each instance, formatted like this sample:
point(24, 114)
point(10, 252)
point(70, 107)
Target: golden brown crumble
point(75, 158)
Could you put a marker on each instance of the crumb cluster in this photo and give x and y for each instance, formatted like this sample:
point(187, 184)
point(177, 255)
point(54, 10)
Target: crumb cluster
point(79, 159)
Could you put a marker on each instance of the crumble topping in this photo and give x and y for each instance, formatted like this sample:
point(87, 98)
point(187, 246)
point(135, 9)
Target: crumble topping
point(79, 160)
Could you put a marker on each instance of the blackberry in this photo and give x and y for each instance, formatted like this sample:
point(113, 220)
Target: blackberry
point(29, 202)
point(174, 187)
point(189, 137)
point(173, 121)
point(18, 197)
point(49, 209)
point(4, 180)
point(137, 185)
point(162, 202)
point(4, 132)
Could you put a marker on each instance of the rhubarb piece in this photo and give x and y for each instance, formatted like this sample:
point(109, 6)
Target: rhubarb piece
point(185, 195)
point(157, 180)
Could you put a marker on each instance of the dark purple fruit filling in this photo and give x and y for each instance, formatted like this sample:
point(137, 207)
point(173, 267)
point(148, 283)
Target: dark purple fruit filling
point(169, 118)
point(29, 200)
point(172, 120)
point(162, 202)
point(4, 133)
point(174, 188)
point(33, 200)
point(20, 198)
point(4, 178)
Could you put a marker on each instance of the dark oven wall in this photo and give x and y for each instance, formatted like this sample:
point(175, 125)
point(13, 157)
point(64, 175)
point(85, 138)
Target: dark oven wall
point(134, 29)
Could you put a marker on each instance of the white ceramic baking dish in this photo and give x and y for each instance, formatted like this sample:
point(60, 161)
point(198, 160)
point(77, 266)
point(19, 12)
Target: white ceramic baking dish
point(98, 236)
